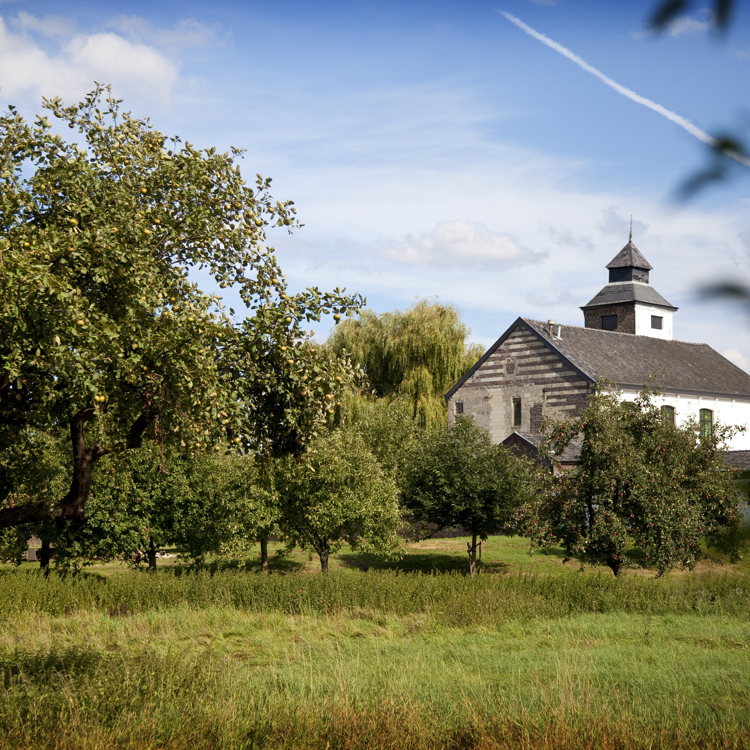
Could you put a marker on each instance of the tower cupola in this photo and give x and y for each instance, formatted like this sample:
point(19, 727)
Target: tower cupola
point(629, 265)
point(628, 303)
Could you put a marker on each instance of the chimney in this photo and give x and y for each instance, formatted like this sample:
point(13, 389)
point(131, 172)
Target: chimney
point(550, 330)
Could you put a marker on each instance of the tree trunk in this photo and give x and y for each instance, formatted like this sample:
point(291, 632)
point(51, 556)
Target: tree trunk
point(614, 564)
point(151, 556)
point(472, 550)
point(264, 553)
point(44, 555)
point(323, 555)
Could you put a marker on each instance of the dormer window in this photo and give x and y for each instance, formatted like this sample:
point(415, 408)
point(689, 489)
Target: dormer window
point(657, 322)
point(609, 322)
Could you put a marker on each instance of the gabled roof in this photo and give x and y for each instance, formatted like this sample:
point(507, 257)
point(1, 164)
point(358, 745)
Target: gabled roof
point(633, 361)
point(630, 257)
point(624, 292)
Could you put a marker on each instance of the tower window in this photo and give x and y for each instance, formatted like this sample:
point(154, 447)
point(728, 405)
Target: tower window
point(706, 420)
point(656, 322)
point(667, 413)
point(609, 322)
point(459, 407)
point(516, 412)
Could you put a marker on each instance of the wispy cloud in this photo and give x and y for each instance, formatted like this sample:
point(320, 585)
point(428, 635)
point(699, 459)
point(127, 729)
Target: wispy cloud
point(466, 244)
point(615, 223)
point(688, 26)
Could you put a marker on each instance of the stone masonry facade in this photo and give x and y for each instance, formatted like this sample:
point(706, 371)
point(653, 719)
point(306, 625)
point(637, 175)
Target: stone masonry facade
point(521, 368)
point(625, 317)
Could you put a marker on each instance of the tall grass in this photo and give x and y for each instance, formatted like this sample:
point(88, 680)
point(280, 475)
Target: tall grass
point(355, 660)
point(223, 678)
point(456, 599)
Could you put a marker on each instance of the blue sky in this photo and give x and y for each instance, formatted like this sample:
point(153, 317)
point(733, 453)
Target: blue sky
point(433, 148)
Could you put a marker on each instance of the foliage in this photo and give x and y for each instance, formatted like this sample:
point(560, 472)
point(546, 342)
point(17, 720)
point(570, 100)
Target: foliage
point(459, 477)
point(146, 499)
point(416, 354)
point(337, 493)
point(32, 467)
point(103, 335)
point(640, 481)
point(386, 426)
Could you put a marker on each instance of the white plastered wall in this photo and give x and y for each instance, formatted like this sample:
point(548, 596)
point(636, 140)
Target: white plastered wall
point(643, 327)
point(727, 411)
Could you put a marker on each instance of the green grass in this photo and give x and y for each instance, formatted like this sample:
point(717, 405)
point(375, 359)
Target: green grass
point(220, 677)
point(536, 655)
point(500, 554)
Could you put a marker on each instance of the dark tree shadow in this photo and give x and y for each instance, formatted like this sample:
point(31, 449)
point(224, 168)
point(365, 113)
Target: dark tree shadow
point(276, 564)
point(417, 562)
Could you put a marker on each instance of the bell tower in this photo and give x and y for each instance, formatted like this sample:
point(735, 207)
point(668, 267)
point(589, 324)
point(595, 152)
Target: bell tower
point(628, 303)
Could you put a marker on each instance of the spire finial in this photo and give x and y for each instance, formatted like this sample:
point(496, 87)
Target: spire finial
point(630, 239)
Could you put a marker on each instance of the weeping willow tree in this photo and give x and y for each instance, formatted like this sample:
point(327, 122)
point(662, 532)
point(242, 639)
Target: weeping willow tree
point(415, 354)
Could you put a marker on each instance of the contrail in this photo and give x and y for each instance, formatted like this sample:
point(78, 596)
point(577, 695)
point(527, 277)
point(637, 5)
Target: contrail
point(683, 122)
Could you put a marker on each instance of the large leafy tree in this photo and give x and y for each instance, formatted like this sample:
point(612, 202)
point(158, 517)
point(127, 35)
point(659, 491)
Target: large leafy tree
point(641, 482)
point(459, 477)
point(415, 354)
point(104, 335)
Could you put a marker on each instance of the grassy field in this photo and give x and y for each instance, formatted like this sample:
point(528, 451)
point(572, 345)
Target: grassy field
point(500, 554)
point(535, 656)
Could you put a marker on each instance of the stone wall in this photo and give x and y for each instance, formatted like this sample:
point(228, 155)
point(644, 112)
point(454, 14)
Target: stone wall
point(521, 367)
point(625, 317)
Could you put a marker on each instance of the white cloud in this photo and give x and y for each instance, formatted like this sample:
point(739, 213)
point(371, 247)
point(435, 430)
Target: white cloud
point(50, 56)
point(687, 26)
point(613, 222)
point(186, 34)
point(49, 26)
point(738, 358)
point(461, 243)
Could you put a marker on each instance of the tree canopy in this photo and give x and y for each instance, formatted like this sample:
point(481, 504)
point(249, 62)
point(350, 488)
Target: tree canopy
point(459, 477)
point(416, 353)
point(338, 493)
point(104, 335)
point(641, 482)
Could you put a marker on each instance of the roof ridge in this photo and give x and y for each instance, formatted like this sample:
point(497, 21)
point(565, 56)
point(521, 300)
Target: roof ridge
point(620, 333)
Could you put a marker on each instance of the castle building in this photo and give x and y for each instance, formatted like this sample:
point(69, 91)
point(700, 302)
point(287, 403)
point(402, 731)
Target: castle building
point(538, 369)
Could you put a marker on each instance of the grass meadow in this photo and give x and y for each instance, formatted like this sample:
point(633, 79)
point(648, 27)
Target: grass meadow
point(533, 654)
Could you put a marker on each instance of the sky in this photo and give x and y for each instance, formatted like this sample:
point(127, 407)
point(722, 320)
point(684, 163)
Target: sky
point(435, 149)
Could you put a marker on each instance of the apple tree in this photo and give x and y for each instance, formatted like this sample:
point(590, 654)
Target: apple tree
point(459, 477)
point(337, 493)
point(106, 337)
point(641, 482)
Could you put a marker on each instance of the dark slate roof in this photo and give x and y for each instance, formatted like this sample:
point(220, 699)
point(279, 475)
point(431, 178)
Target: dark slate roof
point(628, 292)
point(738, 460)
point(631, 361)
point(571, 453)
point(630, 257)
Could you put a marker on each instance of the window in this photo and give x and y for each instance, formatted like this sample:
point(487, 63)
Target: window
point(667, 413)
point(516, 412)
point(706, 423)
point(609, 322)
point(656, 322)
point(459, 407)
